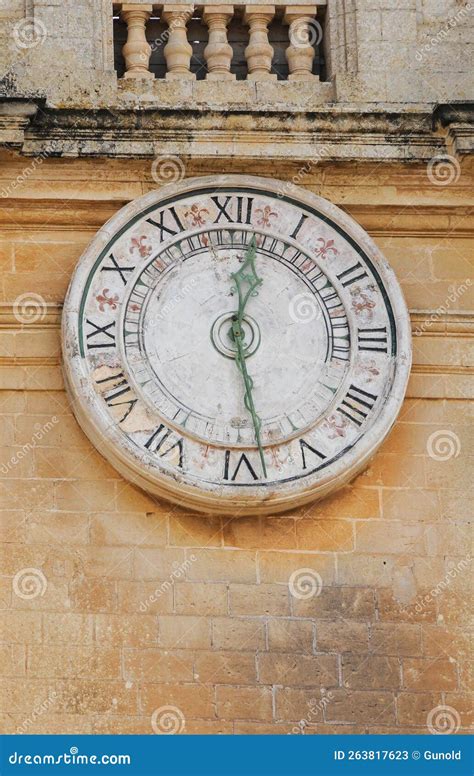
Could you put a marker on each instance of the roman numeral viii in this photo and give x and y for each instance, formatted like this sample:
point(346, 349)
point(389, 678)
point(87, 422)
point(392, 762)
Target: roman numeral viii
point(119, 394)
point(357, 404)
point(373, 339)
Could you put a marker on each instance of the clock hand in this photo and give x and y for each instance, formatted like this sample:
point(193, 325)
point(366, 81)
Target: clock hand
point(247, 274)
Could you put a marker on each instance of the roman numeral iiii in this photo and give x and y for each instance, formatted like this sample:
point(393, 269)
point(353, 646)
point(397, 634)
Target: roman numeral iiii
point(357, 404)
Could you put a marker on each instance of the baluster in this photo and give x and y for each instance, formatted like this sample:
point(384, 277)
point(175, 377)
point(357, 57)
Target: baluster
point(259, 53)
point(218, 53)
point(136, 50)
point(303, 31)
point(177, 51)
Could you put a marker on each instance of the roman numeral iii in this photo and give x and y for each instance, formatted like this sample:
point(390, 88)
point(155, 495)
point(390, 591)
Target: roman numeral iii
point(373, 339)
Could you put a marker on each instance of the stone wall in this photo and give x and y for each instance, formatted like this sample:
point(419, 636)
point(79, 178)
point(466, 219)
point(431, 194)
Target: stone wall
point(382, 51)
point(114, 605)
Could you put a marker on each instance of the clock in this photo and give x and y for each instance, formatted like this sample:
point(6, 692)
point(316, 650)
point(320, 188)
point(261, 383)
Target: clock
point(235, 344)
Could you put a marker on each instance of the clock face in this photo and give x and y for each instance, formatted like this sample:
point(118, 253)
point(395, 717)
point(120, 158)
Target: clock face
point(235, 345)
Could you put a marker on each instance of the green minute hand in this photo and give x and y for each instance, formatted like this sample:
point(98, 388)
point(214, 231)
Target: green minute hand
point(247, 282)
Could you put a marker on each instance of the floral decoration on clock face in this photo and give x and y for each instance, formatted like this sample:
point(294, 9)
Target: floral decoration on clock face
point(234, 349)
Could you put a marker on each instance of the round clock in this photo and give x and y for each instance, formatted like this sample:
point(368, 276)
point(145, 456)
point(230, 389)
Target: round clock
point(235, 344)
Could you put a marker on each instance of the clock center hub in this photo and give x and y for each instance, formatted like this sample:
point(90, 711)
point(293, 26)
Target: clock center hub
point(223, 339)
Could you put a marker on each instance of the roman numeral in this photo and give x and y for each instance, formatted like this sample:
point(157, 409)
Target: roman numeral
point(223, 209)
point(108, 338)
point(373, 339)
point(357, 404)
point(248, 215)
point(160, 441)
point(160, 225)
point(305, 446)
point(298, 226)
point(242, 460)
point(118, 268)
point(113, 397)
point(357, 272)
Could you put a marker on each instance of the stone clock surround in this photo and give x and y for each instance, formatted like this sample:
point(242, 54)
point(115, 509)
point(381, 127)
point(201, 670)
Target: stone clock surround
point(110, 443)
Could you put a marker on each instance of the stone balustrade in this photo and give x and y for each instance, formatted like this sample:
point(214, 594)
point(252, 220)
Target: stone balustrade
point(213, 53)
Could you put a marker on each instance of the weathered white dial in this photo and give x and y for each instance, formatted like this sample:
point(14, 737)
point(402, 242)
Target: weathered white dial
point(235, 349)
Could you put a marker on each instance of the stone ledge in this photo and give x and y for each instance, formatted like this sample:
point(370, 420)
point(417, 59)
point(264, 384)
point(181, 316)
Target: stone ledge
point(332, 132)
point(15, 116)
point(457, 121)
point(246, 134)
point(257, 96)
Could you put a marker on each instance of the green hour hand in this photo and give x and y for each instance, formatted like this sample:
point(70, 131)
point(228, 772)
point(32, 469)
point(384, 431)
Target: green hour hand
point(247, 283)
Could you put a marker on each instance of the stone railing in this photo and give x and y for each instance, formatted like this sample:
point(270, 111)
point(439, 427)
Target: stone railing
point(219, 42)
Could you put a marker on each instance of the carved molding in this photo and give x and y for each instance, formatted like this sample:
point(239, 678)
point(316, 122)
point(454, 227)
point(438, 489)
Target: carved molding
point(325, 134)
point(379, 220)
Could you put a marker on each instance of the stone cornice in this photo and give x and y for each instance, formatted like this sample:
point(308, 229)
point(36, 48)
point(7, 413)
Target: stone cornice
point(272, 130)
